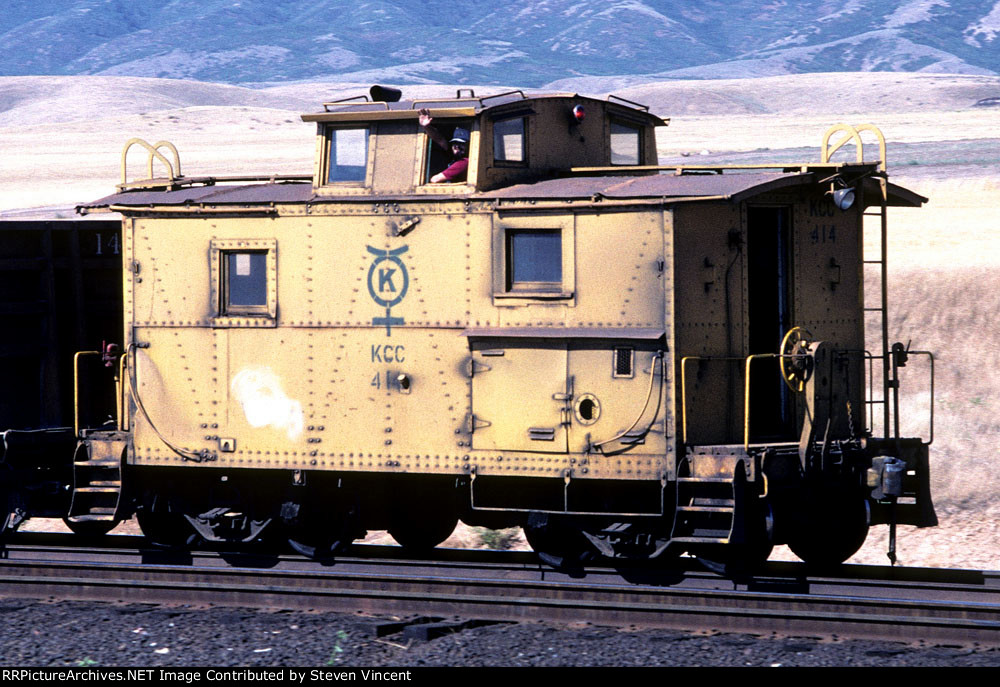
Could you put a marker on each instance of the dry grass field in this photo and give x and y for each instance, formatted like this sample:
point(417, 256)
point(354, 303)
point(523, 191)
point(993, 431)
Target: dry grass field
point(62, 146)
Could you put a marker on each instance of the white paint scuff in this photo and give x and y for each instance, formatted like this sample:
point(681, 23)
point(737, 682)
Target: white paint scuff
point(265, 404)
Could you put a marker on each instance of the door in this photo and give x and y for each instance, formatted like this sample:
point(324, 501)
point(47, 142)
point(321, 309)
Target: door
point(519, 396)
point(769, 299)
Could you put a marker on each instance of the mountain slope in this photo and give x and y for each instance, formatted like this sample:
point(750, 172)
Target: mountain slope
point(529, 42)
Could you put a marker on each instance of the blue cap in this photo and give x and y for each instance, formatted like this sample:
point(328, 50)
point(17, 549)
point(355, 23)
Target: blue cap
point(461, 135)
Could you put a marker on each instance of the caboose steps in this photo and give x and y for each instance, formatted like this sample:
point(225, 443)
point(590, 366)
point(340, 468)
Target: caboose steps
point(97, 483)
point(706, 506)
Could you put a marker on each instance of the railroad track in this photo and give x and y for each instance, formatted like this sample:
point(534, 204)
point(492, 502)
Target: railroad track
point(906, 604)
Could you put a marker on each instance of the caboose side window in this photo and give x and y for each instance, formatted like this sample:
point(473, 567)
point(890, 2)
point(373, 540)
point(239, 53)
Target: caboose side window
point(439, 156)
point(244, 282)
point(347, 158)
point(534, 260)
point(626, 144)
point(509, 140)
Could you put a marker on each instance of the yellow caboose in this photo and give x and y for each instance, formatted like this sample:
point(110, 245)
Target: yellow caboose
point(622, 358)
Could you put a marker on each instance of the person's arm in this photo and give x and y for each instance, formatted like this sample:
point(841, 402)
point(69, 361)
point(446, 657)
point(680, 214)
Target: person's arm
point(425, 120)
point(455, 172)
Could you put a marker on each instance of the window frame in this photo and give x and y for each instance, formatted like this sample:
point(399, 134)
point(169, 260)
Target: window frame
point(256, 315)
point(428, 146)
point(529, 286)
point(328, 139)
point(506, 292)
point(639, 129)
point(523, 162)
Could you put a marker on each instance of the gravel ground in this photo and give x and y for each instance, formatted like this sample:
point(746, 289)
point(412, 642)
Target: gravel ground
point(38, 634)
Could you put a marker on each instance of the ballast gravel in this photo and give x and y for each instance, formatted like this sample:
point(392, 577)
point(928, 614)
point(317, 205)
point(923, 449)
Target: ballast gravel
point(91, 634)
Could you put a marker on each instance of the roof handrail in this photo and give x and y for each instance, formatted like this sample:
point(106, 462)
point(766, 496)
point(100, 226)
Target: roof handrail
point(517, 91)
point(853, 133)
point(638, 106)
point(346, 102)
point(173, 170)
point(443, 102)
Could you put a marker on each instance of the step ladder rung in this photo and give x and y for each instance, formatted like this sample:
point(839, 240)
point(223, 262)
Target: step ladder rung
point(706, 509)
point(700, 540)
point(92, 517)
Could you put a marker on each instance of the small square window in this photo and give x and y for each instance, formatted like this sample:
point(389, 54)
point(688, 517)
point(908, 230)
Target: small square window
point(245, 282)
point(534, 260)
point(508, 140)
point(347, 158)
point(626, 144)
point(244, 288)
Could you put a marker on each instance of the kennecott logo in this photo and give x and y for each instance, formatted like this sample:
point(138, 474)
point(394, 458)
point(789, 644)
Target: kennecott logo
point(388, 282)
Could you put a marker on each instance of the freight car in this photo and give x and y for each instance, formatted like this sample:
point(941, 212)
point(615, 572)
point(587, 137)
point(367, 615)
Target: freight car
point(60, 292)
point(625, 359)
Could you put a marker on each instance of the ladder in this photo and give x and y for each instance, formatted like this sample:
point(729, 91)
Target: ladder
point(706, 508)
point(97, 482)
point(881, 309)
point(889, 381)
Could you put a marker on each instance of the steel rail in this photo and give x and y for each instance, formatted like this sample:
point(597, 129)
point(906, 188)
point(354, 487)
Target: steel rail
point(920, 605)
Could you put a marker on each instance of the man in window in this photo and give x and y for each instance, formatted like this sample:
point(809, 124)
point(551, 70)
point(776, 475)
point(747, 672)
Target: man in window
point(457, 147)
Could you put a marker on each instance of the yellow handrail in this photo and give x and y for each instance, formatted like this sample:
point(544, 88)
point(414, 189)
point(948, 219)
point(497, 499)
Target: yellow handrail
point(120, 391)
point(173, 170)
point(746, 388)
point(853, 133)
point(76, 389)
point(746, 393)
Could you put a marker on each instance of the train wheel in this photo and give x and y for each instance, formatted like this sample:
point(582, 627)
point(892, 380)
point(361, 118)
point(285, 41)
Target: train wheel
point(743, 558)
point(557, 541)
point(735, 560)
point(6, 511)
point(317, 544)
point(164, 527)
point(424, 532)
point(9, 501)
point(91, 528)
point(320, 533)
point(831, 530)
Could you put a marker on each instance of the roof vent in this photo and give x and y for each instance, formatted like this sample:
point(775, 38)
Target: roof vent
point(385, 94)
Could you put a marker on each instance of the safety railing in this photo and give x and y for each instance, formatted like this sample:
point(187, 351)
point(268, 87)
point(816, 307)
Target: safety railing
point(852, 132)
point(889, 398)
point(173, 169)
point(870, 399)
point(747, 361)
point(76, 389)
point(120, 422)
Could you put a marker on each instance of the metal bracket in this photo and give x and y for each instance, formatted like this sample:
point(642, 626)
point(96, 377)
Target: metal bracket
point(834, 268)
point(472, 423)
point(402, 228)
point(473, 366)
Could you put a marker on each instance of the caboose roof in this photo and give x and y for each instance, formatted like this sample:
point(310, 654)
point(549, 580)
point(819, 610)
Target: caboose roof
point(676, 187)
point(666, 188)
point(355, 110)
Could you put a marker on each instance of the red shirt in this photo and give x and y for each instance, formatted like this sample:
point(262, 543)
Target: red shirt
point(456, 171)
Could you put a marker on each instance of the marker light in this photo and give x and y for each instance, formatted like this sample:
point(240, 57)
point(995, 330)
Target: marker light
point(579, 113)
point(843, 198)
